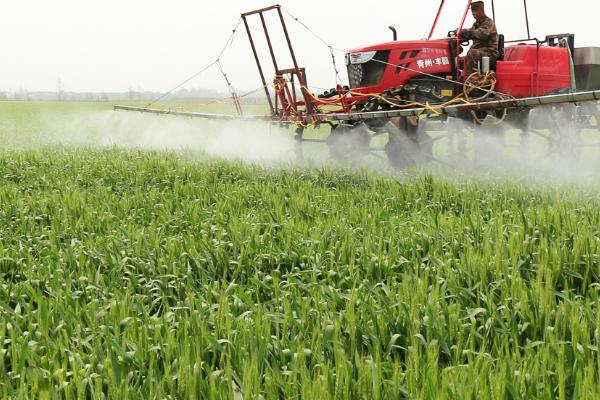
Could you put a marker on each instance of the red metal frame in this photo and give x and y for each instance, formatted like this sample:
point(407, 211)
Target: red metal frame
point(284, 103)
point(437, 18)
point(442, 3)
point(257, 59)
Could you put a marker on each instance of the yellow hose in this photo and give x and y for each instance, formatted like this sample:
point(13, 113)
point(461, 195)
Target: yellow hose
point(486, 82)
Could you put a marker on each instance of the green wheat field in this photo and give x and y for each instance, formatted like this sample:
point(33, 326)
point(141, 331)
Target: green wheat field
point(145, 274)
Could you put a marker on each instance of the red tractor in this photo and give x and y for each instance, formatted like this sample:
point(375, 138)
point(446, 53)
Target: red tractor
point(401, 88)
point(393, 86)
point(433, 72)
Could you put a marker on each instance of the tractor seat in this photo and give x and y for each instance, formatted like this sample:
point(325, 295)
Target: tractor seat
point(493, 62)
point(500, 47)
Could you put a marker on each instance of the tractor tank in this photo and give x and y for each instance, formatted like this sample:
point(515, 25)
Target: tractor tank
point(587, 68)
point(532, 70)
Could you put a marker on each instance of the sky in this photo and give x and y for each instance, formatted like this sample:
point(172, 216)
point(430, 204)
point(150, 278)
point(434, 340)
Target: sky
point(113, 45)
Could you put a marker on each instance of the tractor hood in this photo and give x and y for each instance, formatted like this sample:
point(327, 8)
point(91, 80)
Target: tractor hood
point(413, 44)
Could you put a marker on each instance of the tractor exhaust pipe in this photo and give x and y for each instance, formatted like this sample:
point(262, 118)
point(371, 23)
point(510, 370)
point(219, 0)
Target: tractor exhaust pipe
point(394, 32)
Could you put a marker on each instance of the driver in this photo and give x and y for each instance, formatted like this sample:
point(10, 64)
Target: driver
point(484, 36)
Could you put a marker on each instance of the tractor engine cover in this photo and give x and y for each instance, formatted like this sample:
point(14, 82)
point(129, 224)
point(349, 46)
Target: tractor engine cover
point(375, 69)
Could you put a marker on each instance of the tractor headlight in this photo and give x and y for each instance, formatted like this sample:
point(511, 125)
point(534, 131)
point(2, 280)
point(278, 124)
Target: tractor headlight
point(359, 58)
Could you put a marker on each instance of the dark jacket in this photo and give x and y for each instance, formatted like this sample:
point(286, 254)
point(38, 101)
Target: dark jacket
point(484, 35)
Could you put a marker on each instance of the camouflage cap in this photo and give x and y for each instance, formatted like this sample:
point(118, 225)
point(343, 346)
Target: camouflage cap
point(477, 4)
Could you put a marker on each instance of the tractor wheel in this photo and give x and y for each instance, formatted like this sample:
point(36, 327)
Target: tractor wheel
point(349, 143)
point(558, 131)
point(408, 145)
point(565, 133)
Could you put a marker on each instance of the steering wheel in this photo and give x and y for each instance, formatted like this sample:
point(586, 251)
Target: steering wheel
point(454, 34)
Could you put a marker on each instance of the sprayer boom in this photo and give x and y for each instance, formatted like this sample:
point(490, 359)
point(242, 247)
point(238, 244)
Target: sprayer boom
point(452, 110)
point(193, 114)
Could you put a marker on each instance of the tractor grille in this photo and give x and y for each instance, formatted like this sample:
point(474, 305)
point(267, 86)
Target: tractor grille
point(369, 73)
point(355, 75)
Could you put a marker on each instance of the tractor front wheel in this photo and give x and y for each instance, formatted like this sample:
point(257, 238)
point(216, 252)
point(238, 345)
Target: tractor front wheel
point(349, 143)
point(408, 144)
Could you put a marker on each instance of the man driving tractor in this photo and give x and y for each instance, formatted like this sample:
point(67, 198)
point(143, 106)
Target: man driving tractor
point(484, 36)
